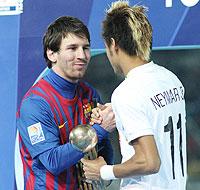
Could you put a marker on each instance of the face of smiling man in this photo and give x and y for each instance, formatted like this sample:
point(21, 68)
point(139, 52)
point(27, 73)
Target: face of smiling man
point(71, 61)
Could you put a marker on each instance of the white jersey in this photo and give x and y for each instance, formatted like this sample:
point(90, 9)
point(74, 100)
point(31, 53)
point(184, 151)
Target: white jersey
point(150, 101)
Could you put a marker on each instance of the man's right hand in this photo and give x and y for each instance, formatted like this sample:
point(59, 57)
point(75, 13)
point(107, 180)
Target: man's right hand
point(104, 116)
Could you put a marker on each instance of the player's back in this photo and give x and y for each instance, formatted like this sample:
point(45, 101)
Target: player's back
point(159, 95)
point(153, 96)
point(166, 112)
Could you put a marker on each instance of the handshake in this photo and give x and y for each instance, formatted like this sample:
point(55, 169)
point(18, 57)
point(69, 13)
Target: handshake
point(104, 116)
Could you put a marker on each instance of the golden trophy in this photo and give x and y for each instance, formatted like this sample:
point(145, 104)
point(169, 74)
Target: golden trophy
point(84, 137)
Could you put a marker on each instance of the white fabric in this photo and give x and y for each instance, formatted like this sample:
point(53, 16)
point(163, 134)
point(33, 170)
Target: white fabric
point(143, 104)
point(106, 172)
point(19, 177)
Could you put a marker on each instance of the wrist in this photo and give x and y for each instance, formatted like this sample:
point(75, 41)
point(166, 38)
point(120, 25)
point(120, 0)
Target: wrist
point(76, 148)
point(101, 132)
point(107, 173)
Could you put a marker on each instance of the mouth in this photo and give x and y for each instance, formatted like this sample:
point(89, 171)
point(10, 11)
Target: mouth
point(80, 65)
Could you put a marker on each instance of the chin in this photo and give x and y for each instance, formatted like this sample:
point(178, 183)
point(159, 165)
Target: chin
point(80, 75)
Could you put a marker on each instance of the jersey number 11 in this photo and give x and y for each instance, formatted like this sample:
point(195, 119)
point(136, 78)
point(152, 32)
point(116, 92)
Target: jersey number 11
point(169, 128)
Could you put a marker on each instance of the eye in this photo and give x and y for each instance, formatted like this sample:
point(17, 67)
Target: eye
point(86, 48)
point(72, 48)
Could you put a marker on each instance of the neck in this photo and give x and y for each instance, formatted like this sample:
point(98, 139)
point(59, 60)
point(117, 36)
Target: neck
point(128, 63)
point(64, 87)
point(60, 73)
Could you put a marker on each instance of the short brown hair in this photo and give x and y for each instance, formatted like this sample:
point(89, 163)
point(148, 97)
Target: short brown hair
point(58, 30)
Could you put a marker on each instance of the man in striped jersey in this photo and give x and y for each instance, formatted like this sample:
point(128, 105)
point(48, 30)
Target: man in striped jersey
point(53, 107)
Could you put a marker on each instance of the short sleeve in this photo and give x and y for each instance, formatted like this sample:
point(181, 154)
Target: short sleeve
point(130, 114)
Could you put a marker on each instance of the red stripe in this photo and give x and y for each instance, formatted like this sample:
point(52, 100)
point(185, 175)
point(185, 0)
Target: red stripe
point(80, 110)
point(27, 164)
point(44, 86)
point(49, 181)
point(87, 89)
point(73, 179)
point(31, 179)
point(62, 181)
point(65, 102)
point(46, 98)
point(75, 113)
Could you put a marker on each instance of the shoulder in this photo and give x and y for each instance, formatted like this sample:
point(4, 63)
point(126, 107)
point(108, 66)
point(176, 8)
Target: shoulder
point(33, 103)
point(126, 91)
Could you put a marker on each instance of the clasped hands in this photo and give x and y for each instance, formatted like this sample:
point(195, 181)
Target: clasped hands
point(104, 116)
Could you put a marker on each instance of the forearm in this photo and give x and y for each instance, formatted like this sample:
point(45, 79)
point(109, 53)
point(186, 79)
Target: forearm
point(134, 167)
point(60, 158)
point(129, 168)
point(145, 161)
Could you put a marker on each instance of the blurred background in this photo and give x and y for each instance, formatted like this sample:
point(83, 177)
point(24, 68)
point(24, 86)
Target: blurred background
point(176, 45)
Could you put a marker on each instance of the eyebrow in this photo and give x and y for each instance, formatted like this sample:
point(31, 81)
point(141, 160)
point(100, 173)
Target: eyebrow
point(74, 45)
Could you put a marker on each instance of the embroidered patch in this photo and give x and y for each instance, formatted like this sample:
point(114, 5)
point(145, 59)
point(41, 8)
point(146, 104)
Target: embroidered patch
point(87, 110)
point(88, 106)
point(35, 133)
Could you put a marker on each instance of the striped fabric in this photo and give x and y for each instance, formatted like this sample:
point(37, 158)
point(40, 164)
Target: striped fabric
point(67, 113)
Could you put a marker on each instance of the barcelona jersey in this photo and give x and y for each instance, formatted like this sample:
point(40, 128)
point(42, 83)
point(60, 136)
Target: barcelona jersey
point(49, 111)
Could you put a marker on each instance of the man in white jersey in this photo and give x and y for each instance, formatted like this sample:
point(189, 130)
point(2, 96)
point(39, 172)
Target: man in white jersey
point(149, 108)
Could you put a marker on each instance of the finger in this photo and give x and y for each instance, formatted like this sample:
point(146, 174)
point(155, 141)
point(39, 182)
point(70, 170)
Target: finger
point(99, 105)
point(91, 175)
point(95, 115)
point(93, 121)
point(95, 112)
point(108, 104)
point(82, 160)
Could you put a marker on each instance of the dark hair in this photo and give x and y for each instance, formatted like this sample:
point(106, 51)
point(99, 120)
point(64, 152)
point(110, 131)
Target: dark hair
point(58, 30)
point(130, 29)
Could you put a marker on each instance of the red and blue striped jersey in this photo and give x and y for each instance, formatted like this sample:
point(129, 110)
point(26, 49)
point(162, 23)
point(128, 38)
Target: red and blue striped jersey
point(44, 121)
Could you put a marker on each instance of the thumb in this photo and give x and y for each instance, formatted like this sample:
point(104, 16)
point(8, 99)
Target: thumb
point(103, 106)
point(100, 106)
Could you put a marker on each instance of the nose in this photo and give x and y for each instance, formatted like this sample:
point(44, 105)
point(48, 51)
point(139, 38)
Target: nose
point(81, 53)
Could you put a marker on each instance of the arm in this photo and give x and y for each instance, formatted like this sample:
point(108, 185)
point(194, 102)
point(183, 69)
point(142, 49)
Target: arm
point(104, 146)
point(60, 158)
point(145, 161)
point(54, 156)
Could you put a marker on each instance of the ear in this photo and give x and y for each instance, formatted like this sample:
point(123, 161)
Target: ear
point(114, 45)
point(52, 56)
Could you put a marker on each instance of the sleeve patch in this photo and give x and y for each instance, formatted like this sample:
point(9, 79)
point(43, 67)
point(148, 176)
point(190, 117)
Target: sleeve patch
point(35, 133)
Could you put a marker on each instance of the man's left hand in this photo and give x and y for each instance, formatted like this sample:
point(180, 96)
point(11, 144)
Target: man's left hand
point(92, 168)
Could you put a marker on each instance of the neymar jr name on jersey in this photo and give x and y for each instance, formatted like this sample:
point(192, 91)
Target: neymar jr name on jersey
point(167, 97)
